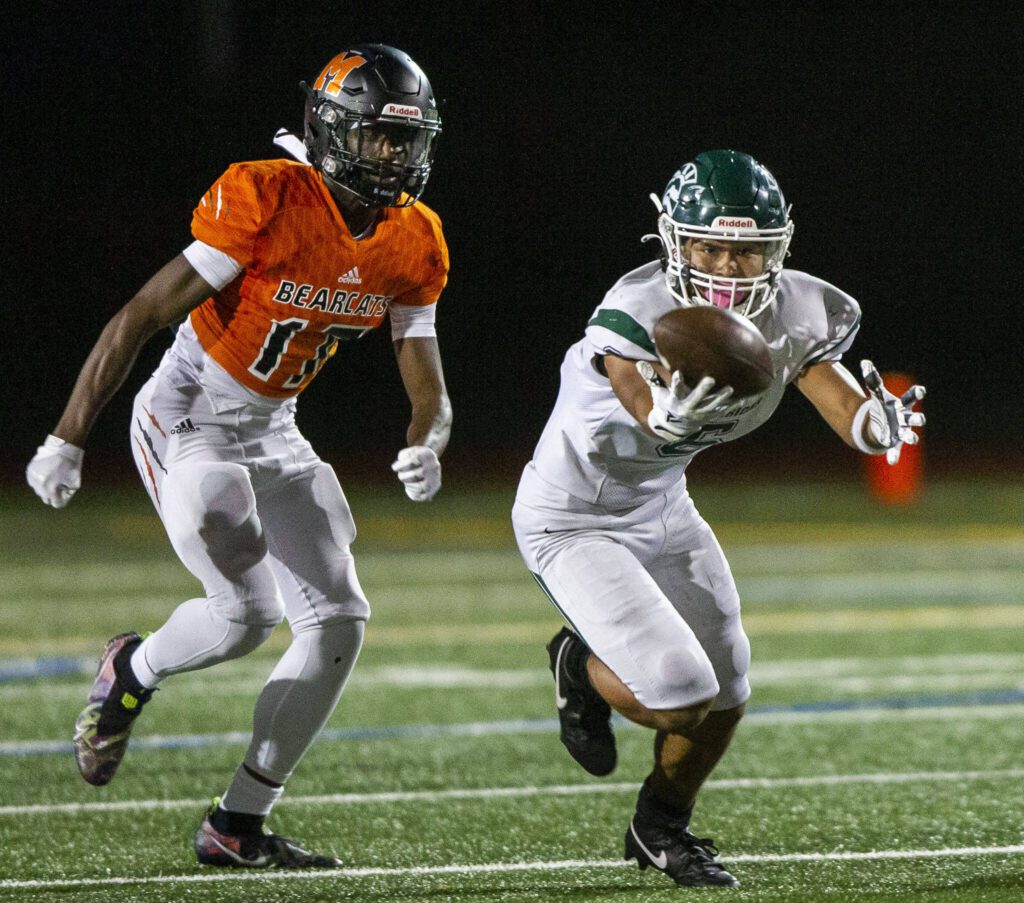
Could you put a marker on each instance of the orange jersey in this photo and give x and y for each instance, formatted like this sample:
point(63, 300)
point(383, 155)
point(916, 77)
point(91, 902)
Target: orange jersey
point(305, 284)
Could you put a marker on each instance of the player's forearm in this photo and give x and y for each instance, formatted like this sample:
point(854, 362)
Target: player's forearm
point(419, 362)
point(836, 395)
point(629, 387)
point(106, 368)
point(431, 423)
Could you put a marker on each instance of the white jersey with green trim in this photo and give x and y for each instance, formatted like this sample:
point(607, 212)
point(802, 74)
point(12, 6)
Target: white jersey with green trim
point(594, 450)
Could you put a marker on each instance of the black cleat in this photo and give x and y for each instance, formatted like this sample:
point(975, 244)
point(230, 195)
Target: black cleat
point(673, 849)
point(258, 850)
point(584, 716)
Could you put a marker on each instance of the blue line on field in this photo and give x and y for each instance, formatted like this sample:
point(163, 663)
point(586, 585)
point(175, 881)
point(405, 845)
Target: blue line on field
point(12, 670)
point(989, 697)
point(492, 728)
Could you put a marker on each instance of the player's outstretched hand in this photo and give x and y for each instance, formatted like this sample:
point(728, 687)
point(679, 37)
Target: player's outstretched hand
point(891, 419)
point(420, 472)
point(679, 410)
point(55, 473)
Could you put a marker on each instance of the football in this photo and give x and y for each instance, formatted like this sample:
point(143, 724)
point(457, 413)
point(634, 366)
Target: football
point(709, 341)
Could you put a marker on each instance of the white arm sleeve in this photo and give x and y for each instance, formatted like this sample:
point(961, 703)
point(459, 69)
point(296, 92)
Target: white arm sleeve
point(409, 321)
point(214, 266)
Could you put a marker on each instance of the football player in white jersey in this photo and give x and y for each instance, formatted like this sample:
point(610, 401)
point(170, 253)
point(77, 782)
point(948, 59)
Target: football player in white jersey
point(603, 518)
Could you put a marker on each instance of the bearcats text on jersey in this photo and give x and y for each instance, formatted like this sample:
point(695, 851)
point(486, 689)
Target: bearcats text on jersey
point(337, 301)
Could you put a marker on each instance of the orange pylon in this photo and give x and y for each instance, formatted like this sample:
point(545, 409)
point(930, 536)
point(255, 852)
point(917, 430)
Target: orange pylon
point(900, 483)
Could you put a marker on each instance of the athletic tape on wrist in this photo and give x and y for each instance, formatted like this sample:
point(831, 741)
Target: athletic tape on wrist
point(857, 431)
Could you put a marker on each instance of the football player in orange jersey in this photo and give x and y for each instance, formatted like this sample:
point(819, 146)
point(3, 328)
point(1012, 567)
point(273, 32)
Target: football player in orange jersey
point(289, 263)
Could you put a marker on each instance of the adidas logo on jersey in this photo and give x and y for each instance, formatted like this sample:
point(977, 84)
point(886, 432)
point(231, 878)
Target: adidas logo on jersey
point(352, 276)
point(186, 426)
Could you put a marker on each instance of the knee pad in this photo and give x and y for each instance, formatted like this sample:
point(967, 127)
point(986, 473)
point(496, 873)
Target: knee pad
point(732, 662)
point(688, 678)
point(216, 502)
point(210, 515)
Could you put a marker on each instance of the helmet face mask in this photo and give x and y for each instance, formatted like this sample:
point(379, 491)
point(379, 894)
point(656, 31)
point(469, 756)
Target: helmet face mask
point(724, 203)
point(372, 125)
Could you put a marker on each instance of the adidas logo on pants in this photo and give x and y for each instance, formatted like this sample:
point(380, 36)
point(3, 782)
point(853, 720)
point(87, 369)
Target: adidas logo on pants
point(186, 426)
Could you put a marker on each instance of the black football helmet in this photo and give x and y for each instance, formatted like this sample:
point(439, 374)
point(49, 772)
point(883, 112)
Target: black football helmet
point(372, 125)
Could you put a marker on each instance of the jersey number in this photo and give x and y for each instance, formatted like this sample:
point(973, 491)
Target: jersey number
point(281, 334)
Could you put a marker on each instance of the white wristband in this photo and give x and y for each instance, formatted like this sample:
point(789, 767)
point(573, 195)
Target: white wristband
point(65, 449)
point(857, 431)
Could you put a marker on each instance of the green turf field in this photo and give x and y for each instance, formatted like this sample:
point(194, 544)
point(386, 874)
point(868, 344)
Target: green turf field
point(882, 757)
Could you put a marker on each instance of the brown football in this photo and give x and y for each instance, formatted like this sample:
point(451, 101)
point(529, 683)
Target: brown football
point(708, 341)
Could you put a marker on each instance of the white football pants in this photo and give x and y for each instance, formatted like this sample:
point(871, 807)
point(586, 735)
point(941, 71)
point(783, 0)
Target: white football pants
point(649, 590)
point(263, 524)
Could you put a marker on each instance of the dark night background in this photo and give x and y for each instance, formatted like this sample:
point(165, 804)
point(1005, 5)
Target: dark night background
point(896, 136)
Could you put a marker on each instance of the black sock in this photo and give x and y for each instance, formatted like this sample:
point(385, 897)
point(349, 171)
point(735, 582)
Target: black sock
point(127, 696)
point(125, 676)
point(652, 808)
point(236, 822)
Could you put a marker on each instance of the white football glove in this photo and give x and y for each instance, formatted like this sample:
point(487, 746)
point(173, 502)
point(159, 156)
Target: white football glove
point(420, 471)
point(55, 473)
point(679, 410)
point(890, 419)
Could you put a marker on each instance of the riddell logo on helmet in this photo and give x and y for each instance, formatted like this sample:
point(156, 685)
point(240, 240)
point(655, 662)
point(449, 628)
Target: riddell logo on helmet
point(396, 109)
point(733, 222)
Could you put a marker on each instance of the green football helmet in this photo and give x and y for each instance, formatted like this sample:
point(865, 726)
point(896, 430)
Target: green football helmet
point(723, 196)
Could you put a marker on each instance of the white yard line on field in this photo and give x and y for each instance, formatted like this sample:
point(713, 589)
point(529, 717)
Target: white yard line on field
point(483, 793)
point(501, 867)
point(829, 588)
